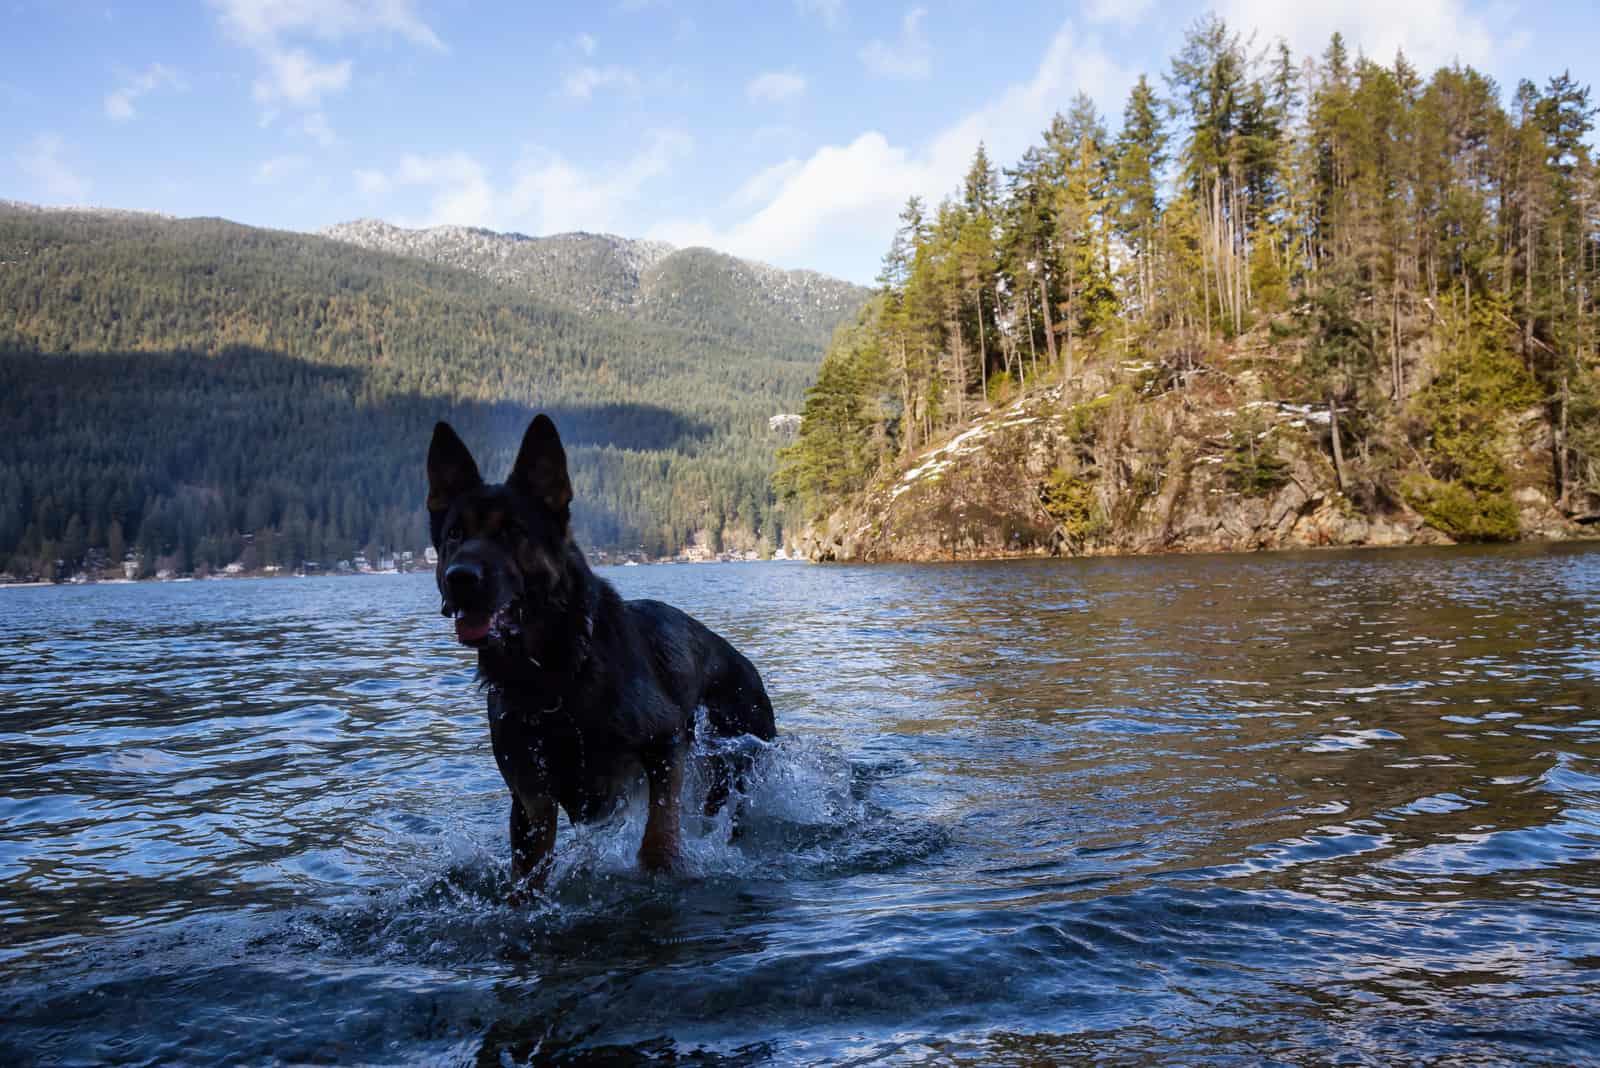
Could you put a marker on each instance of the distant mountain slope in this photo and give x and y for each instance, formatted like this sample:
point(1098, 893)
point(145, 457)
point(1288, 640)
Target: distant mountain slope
point(693, 287)
point(234, 381)
point(22, 207)
point(590, 271)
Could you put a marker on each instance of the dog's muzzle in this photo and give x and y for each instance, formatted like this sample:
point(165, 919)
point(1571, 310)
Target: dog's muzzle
point(464, 581)
point(481, 596)
point(478, 627)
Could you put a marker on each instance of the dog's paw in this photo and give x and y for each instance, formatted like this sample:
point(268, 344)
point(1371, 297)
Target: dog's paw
point(661, 860)
point(526, 892)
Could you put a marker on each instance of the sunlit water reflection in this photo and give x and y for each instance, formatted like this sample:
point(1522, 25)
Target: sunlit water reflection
point(1337, 807)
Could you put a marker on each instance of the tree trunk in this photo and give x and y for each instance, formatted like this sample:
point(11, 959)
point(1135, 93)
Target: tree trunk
point(1527, 290)
point(1072, 317)
point(1338, 446)
point(1205, 279)
point(1033, 352)
point(1236, 244)
point(1563, 480)
point(905, 398)
point(983, 345)
point(1394, 336)
point(1216, 248)
point(960, 369)
point(1049, 327)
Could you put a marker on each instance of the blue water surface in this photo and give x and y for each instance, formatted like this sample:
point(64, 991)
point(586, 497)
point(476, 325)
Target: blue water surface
point(1333, 808)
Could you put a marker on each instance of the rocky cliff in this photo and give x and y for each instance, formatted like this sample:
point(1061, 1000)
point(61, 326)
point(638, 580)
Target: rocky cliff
point(1114, 464)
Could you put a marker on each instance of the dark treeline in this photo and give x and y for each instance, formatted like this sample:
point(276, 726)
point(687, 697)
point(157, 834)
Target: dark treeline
point(202, 393)
point(1427, 252)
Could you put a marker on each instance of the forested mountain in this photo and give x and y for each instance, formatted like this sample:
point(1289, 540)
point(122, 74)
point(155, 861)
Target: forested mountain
point(201, 392)
point(693, 287)
point(1378, 285)
point(585, 270)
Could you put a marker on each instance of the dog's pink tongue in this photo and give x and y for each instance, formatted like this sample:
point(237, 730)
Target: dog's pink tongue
point(472, 629)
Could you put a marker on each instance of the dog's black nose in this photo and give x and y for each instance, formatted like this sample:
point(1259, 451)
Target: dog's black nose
point(463, 580)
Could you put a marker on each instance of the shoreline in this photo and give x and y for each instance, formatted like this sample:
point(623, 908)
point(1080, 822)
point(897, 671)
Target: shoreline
point(259, 576)
point(249, 577)
point(1043, 553)
point(953, 558)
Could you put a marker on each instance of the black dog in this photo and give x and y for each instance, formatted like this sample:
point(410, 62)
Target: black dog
point(586, 690)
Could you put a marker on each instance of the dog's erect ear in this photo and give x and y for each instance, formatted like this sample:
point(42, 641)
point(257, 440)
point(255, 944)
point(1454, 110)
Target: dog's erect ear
point(541, 467)
point(451, 471)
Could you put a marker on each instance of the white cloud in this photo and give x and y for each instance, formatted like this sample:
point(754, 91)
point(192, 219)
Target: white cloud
point(831, 12)
point(315, 126)
point(42, 162)
point(544, 192)
point(775, 85)
point(1125, 13)
point(554, 195)
point(278, 168)
point(586, 44)
point(909, 57)
point(461, 190)
point(582, 82)
point(295, 76)
point(763, 185)
point(852, 186)
point(374, 185)
point(119, 103)
point(1433, 33)
point(1017, 117)
point(292, 73)
point(836, 209)
point(268, 21)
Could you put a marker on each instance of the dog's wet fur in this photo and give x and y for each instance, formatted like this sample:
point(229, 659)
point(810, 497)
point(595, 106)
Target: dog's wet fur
point(587, 692)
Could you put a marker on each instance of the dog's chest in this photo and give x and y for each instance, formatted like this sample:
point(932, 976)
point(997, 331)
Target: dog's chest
point(551, 752)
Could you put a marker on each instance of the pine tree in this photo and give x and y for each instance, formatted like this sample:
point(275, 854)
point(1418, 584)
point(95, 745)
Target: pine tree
point(1209, 77)
point(1083, 230)
point(1140, 157)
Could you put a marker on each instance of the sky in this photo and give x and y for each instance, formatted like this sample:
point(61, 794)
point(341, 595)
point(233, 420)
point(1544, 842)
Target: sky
point(786, 131)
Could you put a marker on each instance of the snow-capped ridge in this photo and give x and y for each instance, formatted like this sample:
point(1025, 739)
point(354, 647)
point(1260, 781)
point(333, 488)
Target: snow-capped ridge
point(592, 270)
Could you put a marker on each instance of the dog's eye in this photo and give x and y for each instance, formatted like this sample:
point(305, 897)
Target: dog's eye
point(454, 533)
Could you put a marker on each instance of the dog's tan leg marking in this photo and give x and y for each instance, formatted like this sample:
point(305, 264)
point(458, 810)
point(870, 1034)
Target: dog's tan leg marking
point(659, 849)
point(533, 842)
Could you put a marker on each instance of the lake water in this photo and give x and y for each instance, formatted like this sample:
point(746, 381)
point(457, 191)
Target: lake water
point(1301, 808)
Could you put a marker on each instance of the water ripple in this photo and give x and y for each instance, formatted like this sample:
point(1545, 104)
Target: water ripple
point(1339, 807)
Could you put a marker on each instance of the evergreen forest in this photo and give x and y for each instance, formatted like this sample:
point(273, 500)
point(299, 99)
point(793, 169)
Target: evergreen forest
point(186, 394)
point(1417, 254)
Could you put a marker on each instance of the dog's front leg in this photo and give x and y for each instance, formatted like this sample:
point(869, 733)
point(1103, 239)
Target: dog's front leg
point(533, 841)
point(659, 851)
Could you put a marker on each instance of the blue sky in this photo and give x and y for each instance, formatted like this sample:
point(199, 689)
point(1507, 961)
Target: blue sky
point(788, 131)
